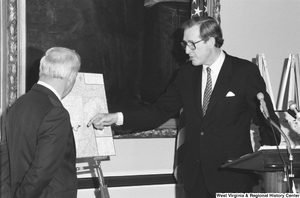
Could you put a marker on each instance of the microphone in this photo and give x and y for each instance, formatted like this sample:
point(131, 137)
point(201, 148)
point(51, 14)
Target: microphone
point(293, 108)
point(263, 106)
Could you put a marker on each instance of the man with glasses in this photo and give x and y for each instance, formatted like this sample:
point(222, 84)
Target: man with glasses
point(218, 94)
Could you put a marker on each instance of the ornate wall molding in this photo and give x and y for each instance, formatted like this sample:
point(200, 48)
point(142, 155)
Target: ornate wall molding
point(13, 53)
point(16, 49)
point(3, 63)
point(217, 10)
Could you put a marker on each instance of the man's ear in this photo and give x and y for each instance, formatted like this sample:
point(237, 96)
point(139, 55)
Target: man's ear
point(211, 41)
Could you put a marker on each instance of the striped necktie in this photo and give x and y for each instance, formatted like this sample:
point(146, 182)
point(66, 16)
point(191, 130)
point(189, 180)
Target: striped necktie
point(207, 92)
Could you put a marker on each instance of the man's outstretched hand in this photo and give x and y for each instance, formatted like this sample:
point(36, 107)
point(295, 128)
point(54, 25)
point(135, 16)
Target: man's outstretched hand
point(101, 120)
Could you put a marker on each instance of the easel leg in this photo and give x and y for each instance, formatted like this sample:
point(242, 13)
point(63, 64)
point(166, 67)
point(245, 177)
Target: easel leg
point(284, 84)
point(102, 185)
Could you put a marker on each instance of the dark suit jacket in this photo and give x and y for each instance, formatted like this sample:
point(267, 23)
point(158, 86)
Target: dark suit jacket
point(41, 146)
point(224, 132)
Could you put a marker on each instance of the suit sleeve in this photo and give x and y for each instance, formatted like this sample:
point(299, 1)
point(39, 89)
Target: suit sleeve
point(269, 135)
point(51, 144)
point(151, 116)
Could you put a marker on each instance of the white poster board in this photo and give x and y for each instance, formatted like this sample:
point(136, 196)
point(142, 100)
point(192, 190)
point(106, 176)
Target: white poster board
point(86, 99)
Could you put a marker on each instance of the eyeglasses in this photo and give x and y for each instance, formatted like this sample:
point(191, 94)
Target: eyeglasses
point(190, 44)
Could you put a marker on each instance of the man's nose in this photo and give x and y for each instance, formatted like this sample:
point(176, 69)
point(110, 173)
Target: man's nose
point(187, 49)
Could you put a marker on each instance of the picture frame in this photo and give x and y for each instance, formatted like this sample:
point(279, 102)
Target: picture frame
point(13, 54)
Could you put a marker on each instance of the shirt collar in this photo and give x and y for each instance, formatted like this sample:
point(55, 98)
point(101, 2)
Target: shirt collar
point(49, 87)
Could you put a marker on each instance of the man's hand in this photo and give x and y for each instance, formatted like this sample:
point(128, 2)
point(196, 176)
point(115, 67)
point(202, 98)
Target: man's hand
point(103, 119)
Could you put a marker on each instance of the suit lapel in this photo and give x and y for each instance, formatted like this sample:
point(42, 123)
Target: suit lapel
point(221, 84)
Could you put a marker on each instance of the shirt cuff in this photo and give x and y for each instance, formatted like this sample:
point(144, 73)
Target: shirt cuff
point(120, 118)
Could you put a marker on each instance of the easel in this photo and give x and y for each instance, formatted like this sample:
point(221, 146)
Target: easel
point(291, 78)
point(262, 65)
point(289, 91)
point(291, 75)
point(92, 146)
point(102, 186)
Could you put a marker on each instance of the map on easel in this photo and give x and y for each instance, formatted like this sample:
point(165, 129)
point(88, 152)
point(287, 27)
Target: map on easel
point(86, 99)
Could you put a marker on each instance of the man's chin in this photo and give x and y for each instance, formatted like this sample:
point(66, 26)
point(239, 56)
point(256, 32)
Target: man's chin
point(195, 63)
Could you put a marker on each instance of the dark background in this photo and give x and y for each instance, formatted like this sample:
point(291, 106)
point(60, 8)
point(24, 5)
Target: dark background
point(136, 48)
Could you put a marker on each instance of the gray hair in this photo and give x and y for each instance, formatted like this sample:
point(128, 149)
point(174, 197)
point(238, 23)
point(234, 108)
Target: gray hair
point(60, 62)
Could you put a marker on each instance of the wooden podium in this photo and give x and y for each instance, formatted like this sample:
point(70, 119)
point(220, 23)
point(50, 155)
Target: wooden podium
point(266, 160)
point(268, 163)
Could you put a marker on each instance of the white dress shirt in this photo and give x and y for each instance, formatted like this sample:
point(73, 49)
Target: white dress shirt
point(215, 70)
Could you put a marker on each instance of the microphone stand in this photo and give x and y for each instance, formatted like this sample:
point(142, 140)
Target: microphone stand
point(289, 175)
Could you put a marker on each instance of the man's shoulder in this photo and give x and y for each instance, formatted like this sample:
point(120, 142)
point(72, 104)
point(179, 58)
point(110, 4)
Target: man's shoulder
point(35, 100)
point(240, 64)
point(43, 93)
point(239, 60)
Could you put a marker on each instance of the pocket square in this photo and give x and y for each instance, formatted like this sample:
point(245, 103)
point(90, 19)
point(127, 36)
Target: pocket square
point(230, 94)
